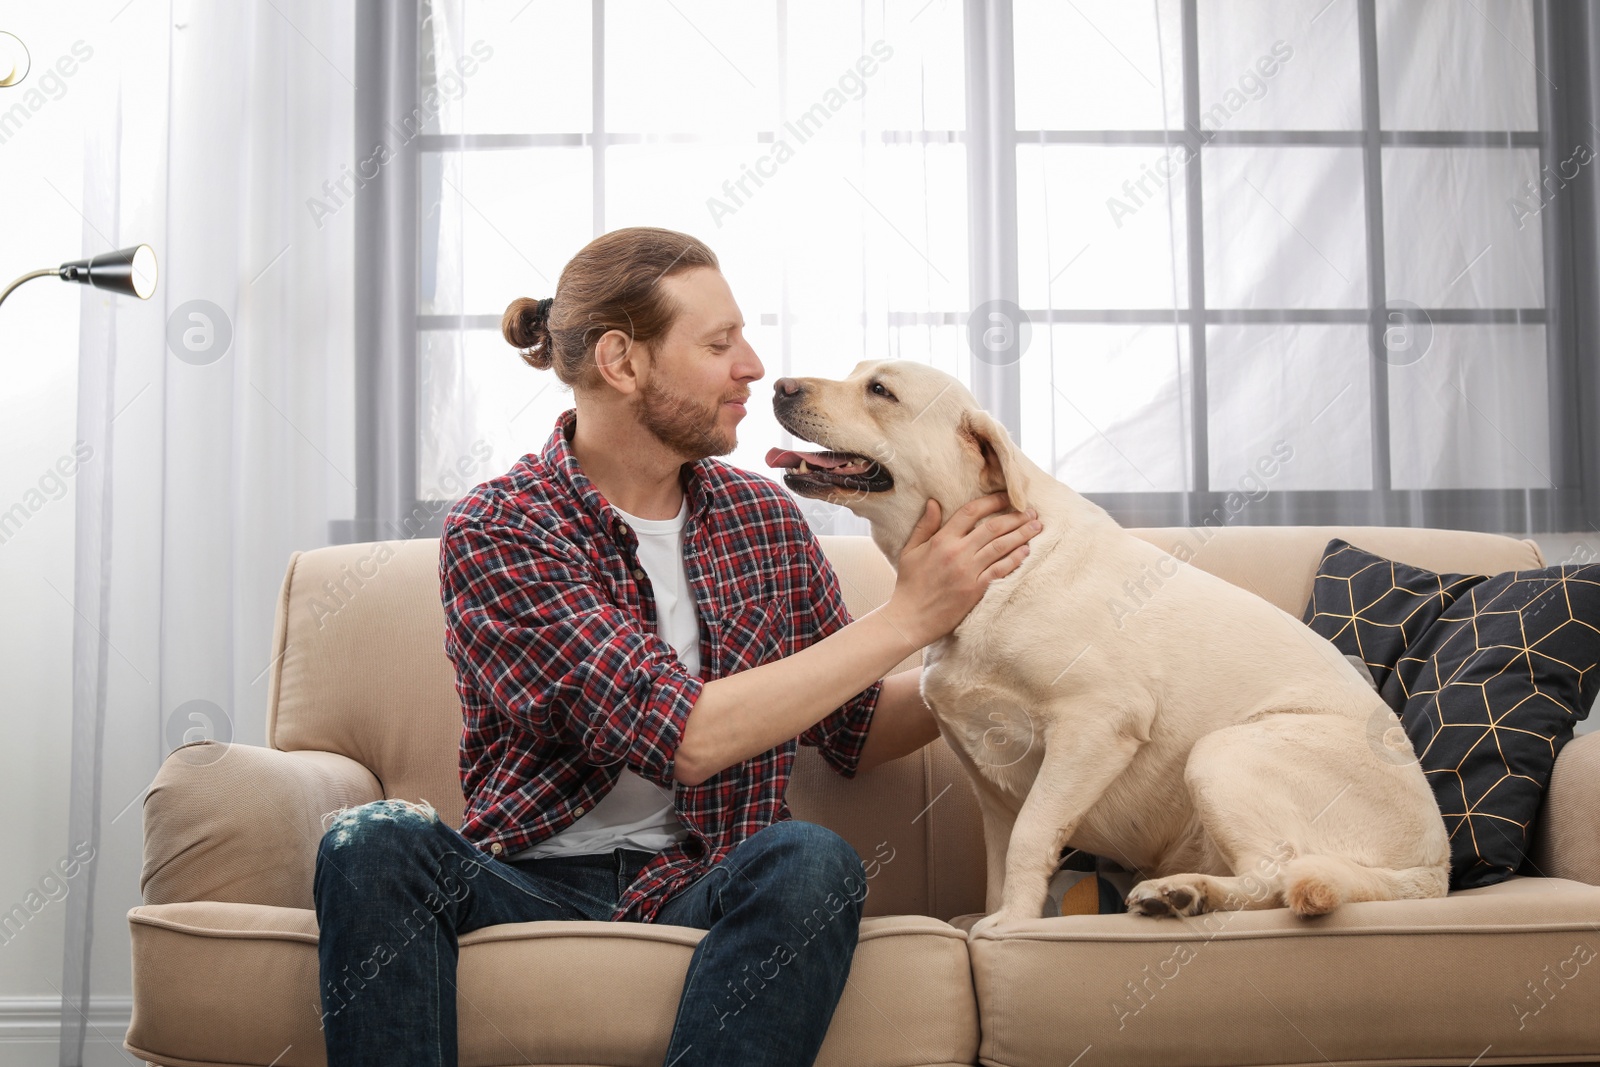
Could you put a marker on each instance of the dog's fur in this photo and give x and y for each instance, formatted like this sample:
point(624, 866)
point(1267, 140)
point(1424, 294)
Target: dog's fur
point(1206, 740)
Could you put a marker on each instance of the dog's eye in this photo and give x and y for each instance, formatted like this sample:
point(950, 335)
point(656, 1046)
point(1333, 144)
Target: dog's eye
point(878, 388)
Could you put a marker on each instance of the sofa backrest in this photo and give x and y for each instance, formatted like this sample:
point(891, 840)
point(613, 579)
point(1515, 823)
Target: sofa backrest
point(359, 669)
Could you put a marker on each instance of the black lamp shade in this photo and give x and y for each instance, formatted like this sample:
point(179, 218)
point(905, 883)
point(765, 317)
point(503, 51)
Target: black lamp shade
point(129, 271)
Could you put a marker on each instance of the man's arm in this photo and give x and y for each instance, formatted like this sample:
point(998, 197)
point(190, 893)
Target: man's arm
point(943, 574)
point(752, 711)
point(902, 723)
point(527, 625)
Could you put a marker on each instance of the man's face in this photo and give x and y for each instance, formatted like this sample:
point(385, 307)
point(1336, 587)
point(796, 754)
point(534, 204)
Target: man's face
point(693, 393)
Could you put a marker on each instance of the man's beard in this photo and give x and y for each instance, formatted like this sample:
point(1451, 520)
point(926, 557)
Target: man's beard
point(683, 424)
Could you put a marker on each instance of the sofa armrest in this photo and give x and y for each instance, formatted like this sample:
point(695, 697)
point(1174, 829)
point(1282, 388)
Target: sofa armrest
point(1567, 838)
point(241, 823)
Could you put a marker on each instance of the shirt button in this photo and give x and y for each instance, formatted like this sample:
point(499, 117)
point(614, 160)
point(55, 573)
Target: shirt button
point(497, 848)
point(638, 572)
point(578, 810)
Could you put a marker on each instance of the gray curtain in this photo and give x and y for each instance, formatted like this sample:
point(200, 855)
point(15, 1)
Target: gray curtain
point(1569, 53)
point(388, 112)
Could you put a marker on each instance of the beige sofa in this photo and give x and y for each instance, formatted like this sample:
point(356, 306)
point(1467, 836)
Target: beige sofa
point(361, 707)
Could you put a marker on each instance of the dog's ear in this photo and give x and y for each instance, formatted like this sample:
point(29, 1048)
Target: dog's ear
point(1001, 469)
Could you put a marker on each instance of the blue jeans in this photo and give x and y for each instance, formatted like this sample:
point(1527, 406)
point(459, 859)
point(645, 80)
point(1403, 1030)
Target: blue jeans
point(395, 887)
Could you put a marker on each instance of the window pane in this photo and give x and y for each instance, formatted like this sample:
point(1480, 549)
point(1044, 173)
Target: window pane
point(911, 212)
point(839, 230)
point(1473, 411)
point(1456, 66)
point(1284, 227)
point(691, 65)
point(537, 73)
point(1098, 65)
point(1101, 227)
point(1105, 408)
point(897, 66)
point(1279, 65)
point(1290, 407)
point(696, 189)
point(500, 224)
point(1460, 228)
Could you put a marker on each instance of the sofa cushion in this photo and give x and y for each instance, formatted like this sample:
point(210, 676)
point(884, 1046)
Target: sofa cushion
point(1489, 674)
point(565, 993)
point(1504, 974)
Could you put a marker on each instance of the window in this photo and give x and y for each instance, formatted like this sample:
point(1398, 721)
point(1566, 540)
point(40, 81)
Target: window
point(1276, 262)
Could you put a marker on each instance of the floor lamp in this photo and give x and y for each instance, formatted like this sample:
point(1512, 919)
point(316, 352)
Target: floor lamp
point(129, 271)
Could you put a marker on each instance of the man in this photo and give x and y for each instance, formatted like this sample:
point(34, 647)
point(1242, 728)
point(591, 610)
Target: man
point(641, 636)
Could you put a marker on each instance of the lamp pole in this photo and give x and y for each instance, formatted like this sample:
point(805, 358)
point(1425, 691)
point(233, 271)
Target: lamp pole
point(28, 278)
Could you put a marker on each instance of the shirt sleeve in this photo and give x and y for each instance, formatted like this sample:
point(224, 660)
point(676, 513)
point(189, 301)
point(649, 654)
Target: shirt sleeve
point(841, 736)
point(527, 624)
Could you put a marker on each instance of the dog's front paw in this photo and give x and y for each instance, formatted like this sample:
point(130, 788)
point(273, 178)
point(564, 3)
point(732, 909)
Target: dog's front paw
point(994, 924)
point(1172, 897)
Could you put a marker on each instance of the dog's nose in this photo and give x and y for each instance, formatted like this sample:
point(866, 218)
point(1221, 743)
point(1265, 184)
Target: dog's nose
point(785, 387)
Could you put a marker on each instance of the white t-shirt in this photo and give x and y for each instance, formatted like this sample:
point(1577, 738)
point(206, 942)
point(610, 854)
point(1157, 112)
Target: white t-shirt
point(638, 813)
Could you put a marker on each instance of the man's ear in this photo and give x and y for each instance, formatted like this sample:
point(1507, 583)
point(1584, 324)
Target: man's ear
point(1002, 470)
point(616, 358)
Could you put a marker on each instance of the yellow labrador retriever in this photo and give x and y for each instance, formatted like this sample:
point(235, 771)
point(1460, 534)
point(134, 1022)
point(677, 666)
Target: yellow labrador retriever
point(1207, 740)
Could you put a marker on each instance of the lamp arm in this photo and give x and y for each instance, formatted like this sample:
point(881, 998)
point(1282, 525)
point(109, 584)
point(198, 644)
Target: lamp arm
point(48, 271)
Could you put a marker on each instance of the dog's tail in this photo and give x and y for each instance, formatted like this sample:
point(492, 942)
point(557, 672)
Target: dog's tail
point(1315, 885)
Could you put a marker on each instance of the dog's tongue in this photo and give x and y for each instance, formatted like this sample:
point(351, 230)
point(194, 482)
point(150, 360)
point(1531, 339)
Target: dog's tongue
point(782, 457)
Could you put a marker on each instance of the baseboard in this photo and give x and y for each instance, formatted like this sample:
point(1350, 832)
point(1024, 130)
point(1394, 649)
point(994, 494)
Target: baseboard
point(37, 1020)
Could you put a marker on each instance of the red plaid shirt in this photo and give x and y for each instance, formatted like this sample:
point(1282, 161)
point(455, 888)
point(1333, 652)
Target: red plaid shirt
point(563, 679)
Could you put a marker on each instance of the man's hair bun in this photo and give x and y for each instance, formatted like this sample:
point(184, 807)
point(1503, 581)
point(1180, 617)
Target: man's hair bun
point(526, 326)
point(612, 284)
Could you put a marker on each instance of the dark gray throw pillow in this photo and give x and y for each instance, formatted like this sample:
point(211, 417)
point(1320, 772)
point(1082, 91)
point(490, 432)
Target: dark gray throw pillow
point(1488, 673)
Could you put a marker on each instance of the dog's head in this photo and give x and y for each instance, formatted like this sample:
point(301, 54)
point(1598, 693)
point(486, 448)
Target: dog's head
point(893, 434)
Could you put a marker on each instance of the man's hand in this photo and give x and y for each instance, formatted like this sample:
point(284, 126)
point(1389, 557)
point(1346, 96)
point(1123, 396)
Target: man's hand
point(944, 571)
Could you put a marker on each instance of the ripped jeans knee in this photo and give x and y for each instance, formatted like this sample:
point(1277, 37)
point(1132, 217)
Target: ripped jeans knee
point(349, 825)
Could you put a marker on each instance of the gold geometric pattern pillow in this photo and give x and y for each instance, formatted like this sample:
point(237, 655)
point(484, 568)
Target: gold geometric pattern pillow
point(1375, 608)
point(1488, 674)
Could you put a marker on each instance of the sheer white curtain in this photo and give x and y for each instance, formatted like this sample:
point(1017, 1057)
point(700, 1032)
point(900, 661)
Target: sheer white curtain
point(1294, 246)
point(219, 411)
point(1338, 276)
